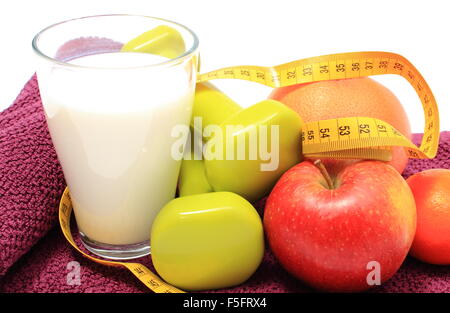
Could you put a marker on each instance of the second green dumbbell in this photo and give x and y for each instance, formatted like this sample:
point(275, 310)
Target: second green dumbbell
point(246, 150)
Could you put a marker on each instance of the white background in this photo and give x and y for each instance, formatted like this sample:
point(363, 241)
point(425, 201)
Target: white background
point(260, 33)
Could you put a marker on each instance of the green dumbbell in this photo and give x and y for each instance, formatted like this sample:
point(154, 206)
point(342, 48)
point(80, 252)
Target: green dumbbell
point(207, 241)
point(257, 145)
point(211, 106)
point(161, 40)
point(192, 179)
point(244, 138)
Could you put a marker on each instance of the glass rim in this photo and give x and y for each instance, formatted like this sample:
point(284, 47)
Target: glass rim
point(168, 63)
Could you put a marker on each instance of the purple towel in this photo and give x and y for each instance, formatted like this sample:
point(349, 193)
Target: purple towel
point(31, 180)
point(34, 257)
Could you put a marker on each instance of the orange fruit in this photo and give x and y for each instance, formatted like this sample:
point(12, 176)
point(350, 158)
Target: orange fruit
point(431, 190)
point(346, 98)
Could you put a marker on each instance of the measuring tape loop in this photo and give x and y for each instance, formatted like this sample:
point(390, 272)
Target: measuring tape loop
point(340, 137)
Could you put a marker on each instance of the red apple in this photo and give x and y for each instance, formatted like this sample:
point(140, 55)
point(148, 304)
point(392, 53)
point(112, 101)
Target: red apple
point(329, 234)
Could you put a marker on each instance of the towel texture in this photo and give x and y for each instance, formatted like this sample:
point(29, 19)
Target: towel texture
point(31, 180)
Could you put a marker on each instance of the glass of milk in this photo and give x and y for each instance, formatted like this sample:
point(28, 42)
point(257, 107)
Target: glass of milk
point(110, 115)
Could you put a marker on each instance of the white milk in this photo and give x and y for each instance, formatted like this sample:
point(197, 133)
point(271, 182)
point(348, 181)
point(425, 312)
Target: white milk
point(112, 133)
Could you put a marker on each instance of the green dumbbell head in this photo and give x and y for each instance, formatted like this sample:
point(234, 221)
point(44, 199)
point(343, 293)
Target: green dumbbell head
point(212, 105)
point(252, 149)
point(161, 40)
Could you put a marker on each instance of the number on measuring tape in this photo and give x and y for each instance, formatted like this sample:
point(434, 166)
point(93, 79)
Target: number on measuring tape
point(360, 137)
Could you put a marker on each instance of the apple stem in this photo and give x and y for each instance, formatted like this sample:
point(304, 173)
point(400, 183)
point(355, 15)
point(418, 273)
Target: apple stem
point(324, 172)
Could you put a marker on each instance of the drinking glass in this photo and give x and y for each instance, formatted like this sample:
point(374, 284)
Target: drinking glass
point(110, 115)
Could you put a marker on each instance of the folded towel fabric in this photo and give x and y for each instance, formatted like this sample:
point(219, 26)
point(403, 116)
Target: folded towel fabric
point(31, 180)
point(31, 183)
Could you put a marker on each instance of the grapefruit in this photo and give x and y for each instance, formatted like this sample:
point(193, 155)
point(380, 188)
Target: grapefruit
point(348, 98)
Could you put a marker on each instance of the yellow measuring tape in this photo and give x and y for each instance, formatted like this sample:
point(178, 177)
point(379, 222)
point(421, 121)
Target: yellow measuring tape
point(152, 281)
point(353, 137)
